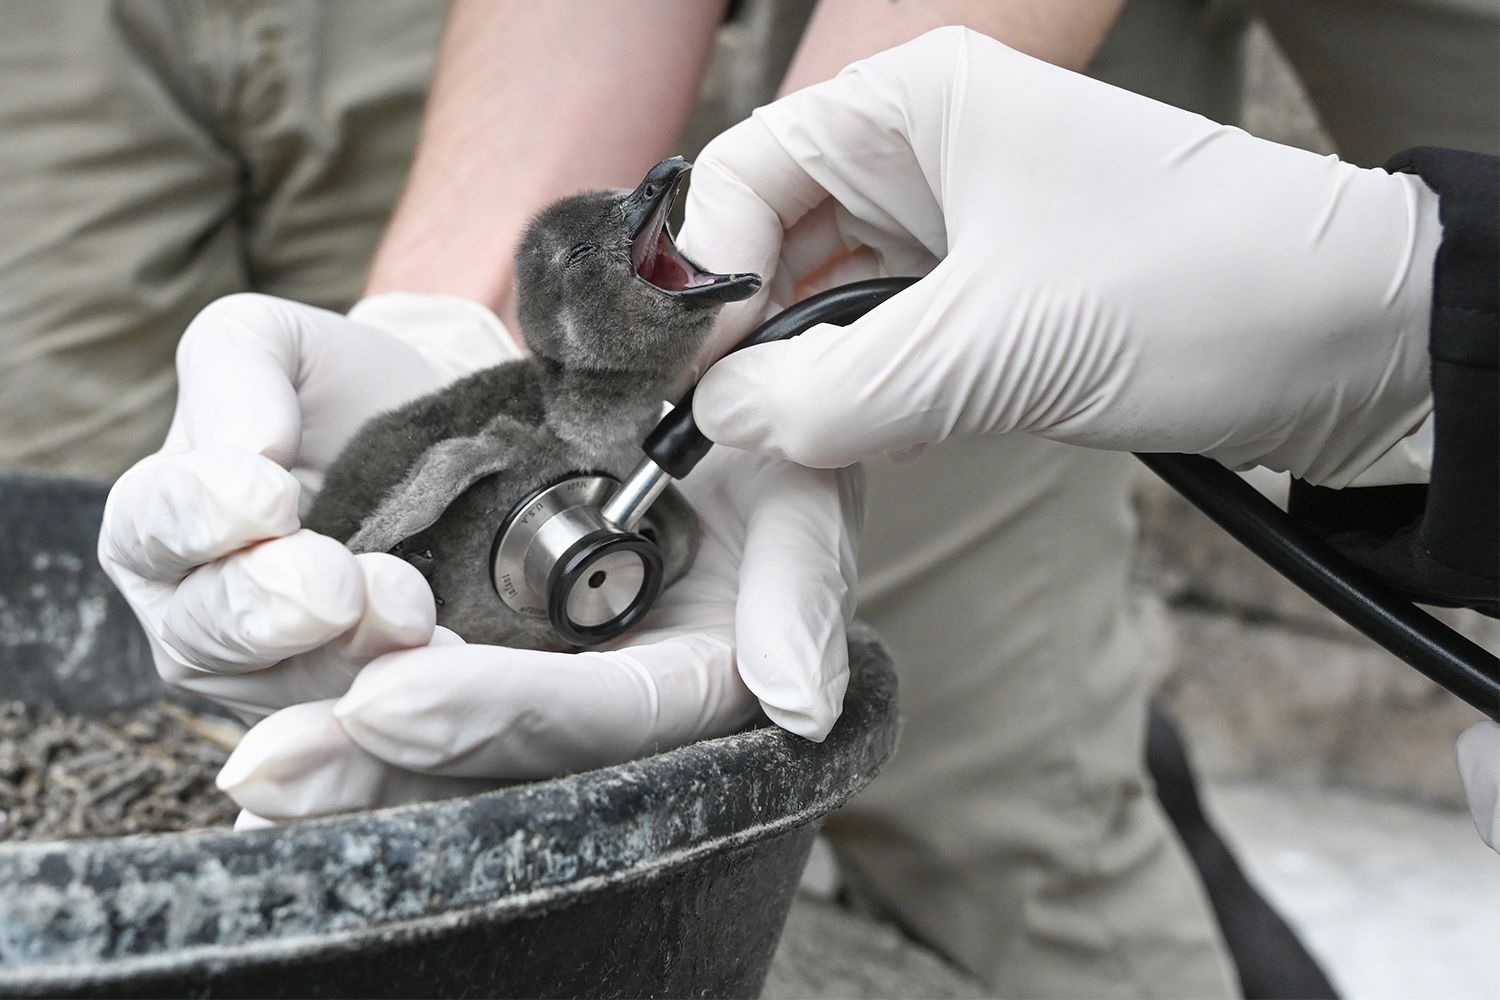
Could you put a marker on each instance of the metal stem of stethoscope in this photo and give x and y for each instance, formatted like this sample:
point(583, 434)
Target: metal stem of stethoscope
point(636, 495)
point(675, 446)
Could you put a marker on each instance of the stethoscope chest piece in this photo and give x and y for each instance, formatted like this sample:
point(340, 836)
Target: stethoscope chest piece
point(557, 559)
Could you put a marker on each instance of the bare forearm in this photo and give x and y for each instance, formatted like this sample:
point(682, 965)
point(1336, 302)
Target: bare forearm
point(533, 101)
point(1064, 32)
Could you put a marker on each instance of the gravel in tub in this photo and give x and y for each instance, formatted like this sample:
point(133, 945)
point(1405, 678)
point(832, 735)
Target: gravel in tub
point(146, 770)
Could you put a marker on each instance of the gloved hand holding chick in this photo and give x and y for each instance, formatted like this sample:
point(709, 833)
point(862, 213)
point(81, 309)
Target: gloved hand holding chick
point(370, 704)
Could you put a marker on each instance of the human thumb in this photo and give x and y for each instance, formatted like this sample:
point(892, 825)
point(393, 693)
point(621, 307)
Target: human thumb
point(833, 396)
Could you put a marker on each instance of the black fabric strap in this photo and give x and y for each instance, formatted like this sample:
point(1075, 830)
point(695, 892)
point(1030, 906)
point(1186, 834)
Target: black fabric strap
point(1441, 544)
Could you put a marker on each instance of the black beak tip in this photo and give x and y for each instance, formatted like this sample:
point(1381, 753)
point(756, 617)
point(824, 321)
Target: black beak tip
point(724, 289)
point(742, 286)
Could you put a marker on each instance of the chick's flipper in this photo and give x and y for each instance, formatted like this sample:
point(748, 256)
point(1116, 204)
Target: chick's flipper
point(386, 449)
point(439, 477)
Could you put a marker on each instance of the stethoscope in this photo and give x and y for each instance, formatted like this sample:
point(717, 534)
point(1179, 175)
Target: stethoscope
point(573, 553)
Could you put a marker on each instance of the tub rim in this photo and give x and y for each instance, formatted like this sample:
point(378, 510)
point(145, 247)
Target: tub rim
point(645, 789)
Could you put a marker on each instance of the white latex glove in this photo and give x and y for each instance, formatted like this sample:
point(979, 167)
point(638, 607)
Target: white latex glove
point(769, 592)
point(1478, 753)
point(1100, 269)
point(243, 607)
point(203, 537)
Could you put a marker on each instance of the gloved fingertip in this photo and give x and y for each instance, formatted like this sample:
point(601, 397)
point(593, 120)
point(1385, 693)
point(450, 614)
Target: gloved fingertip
point(800, 685)
point(1474, 742)
point(289, 764)
point(1478, 754)
point(732, 402)
point(236, 771)
point(247, 820)
point(796, 582)
point(812, 724)
point(397, 591)
point(313, 575)
point(398, 613)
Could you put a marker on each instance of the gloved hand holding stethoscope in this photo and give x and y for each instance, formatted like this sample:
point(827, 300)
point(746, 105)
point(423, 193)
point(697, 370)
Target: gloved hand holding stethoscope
point(1100, 269)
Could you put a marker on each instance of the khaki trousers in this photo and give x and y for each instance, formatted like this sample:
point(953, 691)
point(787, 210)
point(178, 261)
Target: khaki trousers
point(158, 155)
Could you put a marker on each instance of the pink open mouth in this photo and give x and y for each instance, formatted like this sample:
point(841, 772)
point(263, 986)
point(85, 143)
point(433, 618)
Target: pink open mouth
point(658, 261)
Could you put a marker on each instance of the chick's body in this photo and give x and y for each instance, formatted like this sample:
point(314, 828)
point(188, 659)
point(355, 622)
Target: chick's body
point(432, 481)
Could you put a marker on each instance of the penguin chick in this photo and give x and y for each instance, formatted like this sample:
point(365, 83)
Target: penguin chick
point(614, 315)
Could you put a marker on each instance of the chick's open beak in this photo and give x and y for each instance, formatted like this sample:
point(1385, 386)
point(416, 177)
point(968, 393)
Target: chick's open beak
point(656, 259)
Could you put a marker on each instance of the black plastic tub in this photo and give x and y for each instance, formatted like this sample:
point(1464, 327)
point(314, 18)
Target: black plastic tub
point(668, 876)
